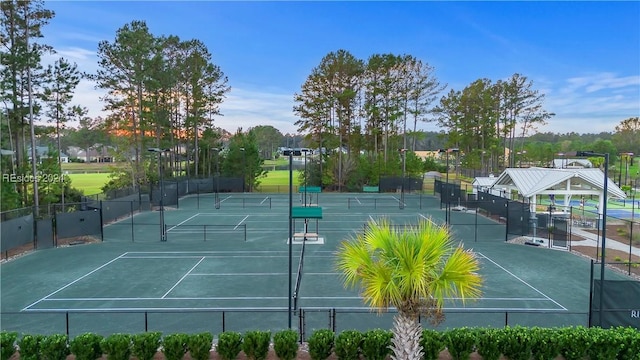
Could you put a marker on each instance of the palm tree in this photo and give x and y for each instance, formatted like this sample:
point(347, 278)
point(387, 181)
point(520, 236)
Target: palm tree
point(414, 270)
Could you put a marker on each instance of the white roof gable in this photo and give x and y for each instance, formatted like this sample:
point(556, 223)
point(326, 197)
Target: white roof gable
point(484, 181)
point(532, 181)
point(571, 163)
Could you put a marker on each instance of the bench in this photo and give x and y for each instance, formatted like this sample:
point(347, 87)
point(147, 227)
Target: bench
point(371, 189)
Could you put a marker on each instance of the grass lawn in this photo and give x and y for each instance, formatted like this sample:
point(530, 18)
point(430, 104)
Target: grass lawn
point(86, 167)
point(280, 177)
point(89, 183)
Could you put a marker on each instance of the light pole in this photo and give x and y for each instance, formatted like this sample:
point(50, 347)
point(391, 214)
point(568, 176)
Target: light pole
point(163, 232)
point(290, 236)
point(605, 192)
point(217, 196)
point(244, 166)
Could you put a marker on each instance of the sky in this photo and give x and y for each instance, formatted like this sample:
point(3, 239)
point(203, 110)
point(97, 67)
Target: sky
point(583, 56)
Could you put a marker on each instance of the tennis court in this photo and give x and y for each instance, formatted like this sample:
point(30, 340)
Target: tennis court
point(229, 268)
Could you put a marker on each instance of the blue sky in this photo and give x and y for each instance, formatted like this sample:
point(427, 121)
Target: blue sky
point(585, 56)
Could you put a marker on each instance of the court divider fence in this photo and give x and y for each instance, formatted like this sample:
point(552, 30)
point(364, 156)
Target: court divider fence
point(309, 319)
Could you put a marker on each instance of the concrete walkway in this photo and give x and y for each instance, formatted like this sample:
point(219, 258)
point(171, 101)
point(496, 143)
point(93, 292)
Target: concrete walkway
point(593, 240)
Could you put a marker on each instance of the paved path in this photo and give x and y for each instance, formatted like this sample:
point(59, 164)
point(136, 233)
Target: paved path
point(592, 240)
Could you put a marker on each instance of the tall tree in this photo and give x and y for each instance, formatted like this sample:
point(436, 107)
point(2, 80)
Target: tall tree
point(413, 270)
point(328, 103)
point(123, 68)
point(61, 79)
point(21, 25)
point(422, 92)
point(521, 109)
point(627, 135)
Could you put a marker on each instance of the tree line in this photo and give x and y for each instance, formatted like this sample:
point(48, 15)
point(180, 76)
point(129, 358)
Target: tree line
point(164, 92)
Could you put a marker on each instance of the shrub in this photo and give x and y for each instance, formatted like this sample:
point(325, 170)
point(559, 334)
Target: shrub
point(488, 343)
point(545, 344)
point(347, 345)
point(321, 344)
point(30, 347)
point(117, 346)
point(605, 345)
point(200, 345)
point(86, 346)
point(7, 344)
point(574, 343)
point(460, 342)
point(55, 347)
point(432, 343)
point(145, 345)
point(376, 344)
point(630, 341)
point(285, 344)
point(174, 346)
point(229, 345)
point(256, 344)
point(516, 344)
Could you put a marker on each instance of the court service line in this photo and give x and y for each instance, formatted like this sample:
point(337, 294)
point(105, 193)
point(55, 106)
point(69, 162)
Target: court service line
point(73, 282)
point(265, 199)
point(370, 217)
point(426, 218)
point(358, 200)
point(241, 221)
point(183, 277)
point(524, 282)
point(189, 218)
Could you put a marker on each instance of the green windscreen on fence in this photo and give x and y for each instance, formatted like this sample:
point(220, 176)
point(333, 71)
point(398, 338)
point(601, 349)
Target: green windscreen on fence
point(620, 305)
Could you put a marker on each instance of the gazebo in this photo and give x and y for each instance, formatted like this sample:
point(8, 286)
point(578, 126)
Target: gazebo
point(531, 182)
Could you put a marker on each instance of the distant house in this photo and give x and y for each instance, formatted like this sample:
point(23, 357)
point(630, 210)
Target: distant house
point(42, 152)
point(96, 153)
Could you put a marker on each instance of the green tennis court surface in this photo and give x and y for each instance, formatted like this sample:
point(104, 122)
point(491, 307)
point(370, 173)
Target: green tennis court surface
point(228, 268)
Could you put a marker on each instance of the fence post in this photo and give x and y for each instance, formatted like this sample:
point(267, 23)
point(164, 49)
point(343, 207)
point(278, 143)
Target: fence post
point(224, 328)
point(301, 325)
point(66, 313)
point(102, 223)
point(133, 225)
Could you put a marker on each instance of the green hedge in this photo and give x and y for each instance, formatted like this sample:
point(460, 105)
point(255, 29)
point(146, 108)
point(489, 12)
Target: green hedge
point(573, 343)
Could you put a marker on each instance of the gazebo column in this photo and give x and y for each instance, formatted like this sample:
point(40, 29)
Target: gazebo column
point(532, 211)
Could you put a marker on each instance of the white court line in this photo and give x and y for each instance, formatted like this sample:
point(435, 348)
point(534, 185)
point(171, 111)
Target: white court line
point(524, 282)
point(182, 278)
point(241, 221)
point(238, 274)
point(173, 227)
point(426, 218)
point(73, 282)
point(265, 199)
point(257, 298)
point(227, 198)
point(358, 200)
point(372, 219)
point(160, 309)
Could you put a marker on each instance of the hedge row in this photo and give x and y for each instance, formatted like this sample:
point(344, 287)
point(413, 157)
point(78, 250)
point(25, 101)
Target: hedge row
point(514, 343)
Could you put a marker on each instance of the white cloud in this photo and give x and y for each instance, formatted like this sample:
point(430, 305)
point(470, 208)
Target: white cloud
point(591, 103)
point(248, 108)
